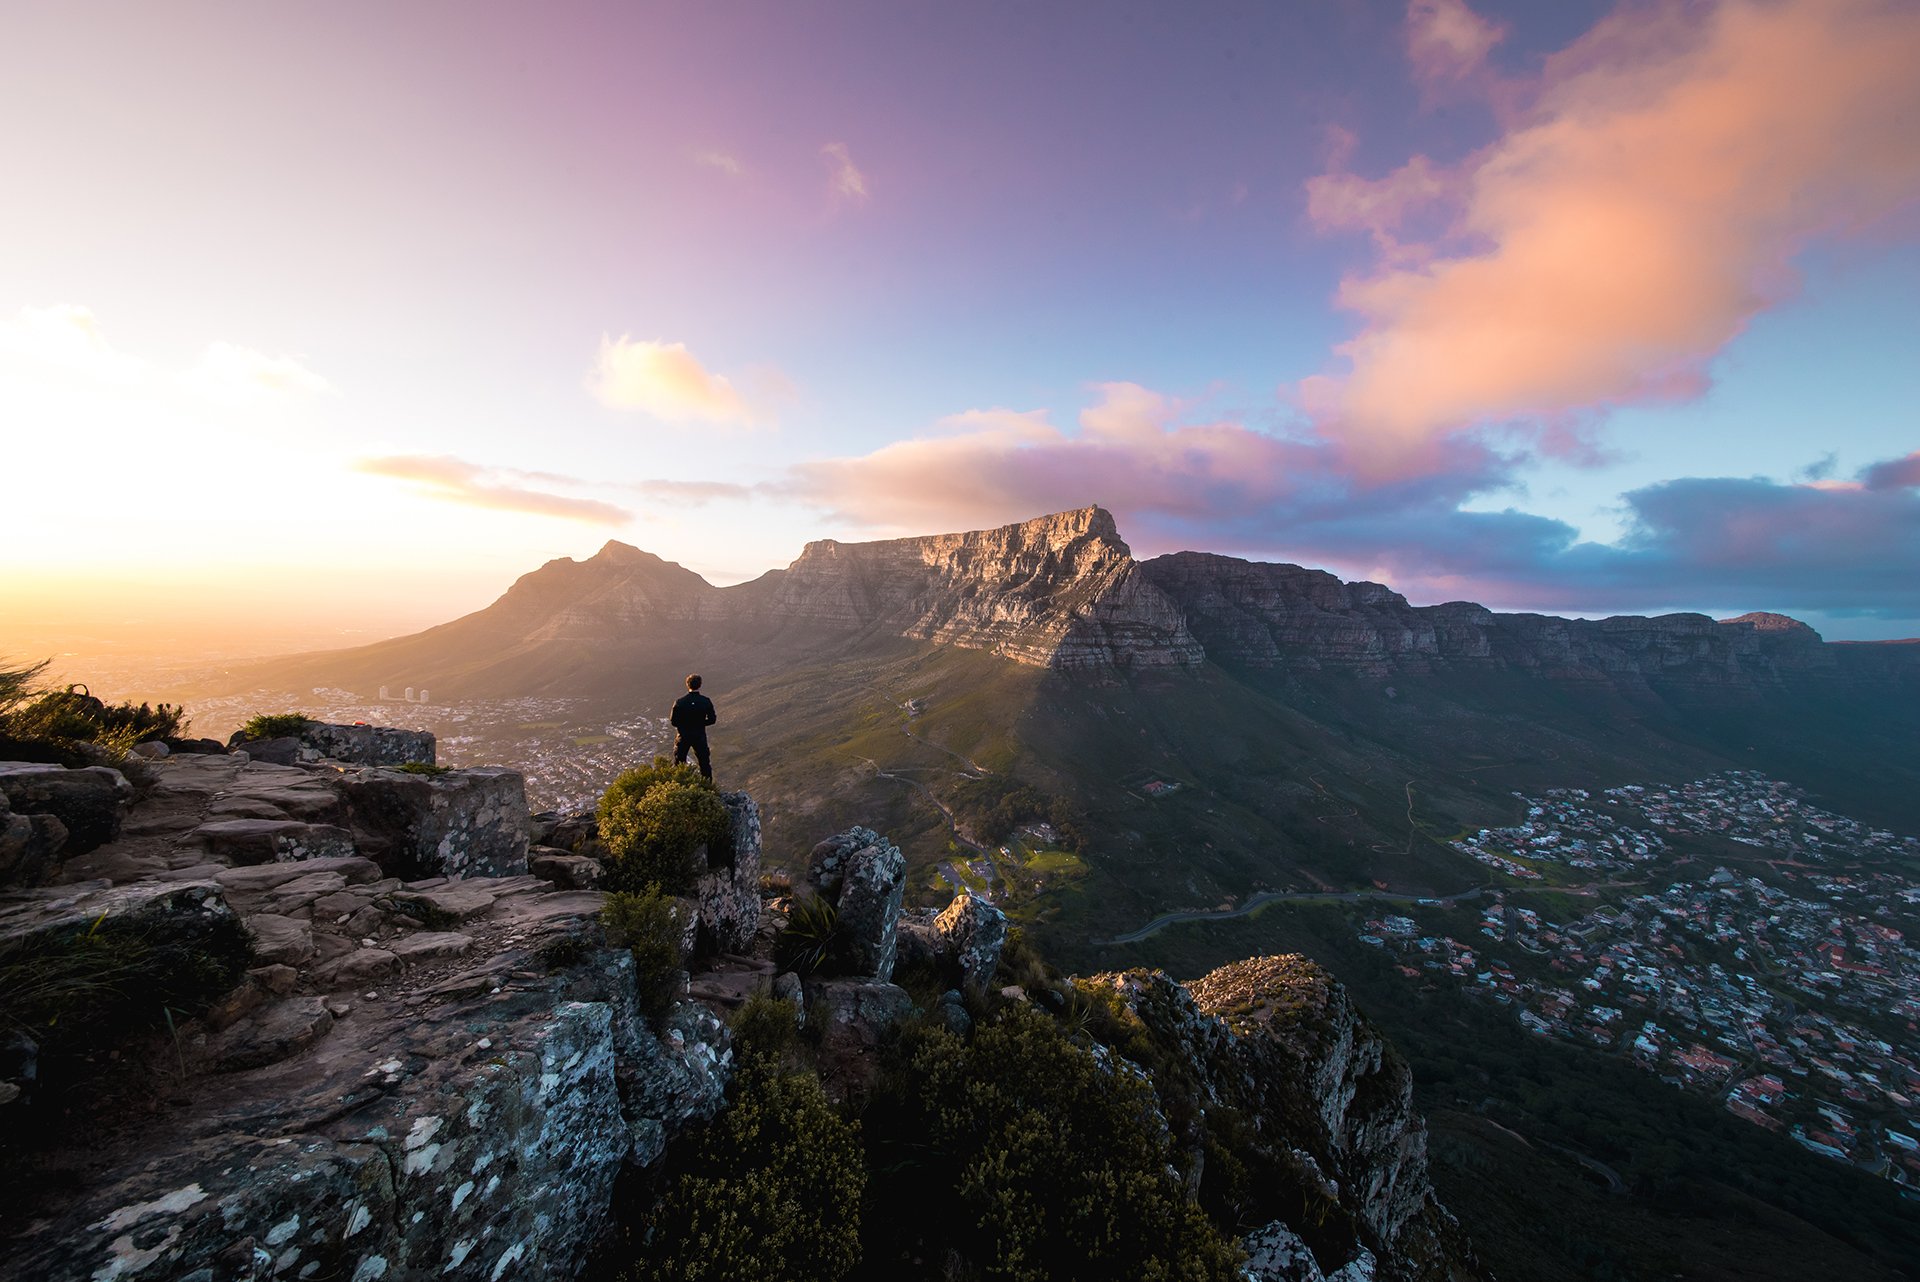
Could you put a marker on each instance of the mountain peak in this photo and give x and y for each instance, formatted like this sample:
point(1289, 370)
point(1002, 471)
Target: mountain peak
point(1766, 621)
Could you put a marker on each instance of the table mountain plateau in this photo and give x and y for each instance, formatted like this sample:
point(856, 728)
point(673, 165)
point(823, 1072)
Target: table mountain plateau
point(1061, 592)
point(1239, 725)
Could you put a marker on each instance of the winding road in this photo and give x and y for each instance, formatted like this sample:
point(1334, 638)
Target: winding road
point(1256, 902)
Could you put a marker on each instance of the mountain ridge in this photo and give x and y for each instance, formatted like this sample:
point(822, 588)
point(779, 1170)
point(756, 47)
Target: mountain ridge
point(1062, 592)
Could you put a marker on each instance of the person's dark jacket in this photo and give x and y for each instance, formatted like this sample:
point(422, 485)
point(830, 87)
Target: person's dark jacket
point(692, 714)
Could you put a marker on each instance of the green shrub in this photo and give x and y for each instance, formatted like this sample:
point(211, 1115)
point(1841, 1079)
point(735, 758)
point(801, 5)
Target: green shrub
point(653, 819)
point(770, 1192)
point(276, 725)
point(1053, 1166)
point(647, 924)
point(812, 933)
point(765, 1032)
point(74, 727)
point(422, 768)
point(85, 988)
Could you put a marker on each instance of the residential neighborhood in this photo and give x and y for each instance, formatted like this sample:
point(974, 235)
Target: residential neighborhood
point(1725, 935)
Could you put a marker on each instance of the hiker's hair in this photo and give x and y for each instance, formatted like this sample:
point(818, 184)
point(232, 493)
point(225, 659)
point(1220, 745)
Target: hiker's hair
point(693, 682)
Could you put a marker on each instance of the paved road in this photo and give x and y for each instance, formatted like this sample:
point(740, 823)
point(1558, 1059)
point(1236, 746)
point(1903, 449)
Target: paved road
point(1256, 902)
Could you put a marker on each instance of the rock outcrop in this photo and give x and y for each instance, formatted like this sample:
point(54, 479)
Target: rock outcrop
point(1063, 592)
point(437, 1076)
point(1285, 616)
point(1277, 1040)
point(90, 802)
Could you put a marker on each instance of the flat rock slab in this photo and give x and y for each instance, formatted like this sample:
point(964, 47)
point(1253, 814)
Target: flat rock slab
point(258, 841)
point(731, 985)
point(431, 945)
point(358, 968)
point(531, 910)
point(78, 905)
point(314, 802)
point(454, 903)
point(569, 872)
point(263, 877)
point(270, 1034)
point(284, 940)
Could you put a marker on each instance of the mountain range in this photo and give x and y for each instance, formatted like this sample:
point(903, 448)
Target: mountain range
point(1210, 726)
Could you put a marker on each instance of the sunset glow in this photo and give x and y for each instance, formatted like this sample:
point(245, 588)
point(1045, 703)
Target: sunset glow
point(320, 321)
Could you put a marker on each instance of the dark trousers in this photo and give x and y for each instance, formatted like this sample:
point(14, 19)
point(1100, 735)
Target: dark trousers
point(698, 743)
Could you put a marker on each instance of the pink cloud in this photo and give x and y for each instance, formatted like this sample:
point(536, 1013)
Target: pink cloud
point(1647, 200)
point(845, 183)
point(989, 466)
point(1893, 474)
point(455, 480)
point(1447, 41)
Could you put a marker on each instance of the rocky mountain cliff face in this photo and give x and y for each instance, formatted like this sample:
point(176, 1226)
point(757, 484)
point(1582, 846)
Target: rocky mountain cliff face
point(1062, 592)
point(1284, 616)
point(396, 1076)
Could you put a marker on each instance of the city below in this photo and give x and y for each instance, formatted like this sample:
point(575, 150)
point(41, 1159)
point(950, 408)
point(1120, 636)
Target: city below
point(1726, 935)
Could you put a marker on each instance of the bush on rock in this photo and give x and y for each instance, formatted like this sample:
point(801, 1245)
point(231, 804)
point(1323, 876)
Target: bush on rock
point(653, 820)
point(770, 1193)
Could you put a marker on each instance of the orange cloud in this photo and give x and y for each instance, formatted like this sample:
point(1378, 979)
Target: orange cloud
point(1646, 201)
point(667, 381)
point(454, 480)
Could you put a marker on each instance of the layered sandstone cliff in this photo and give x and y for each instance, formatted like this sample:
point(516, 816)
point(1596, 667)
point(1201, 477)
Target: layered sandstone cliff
point(1064, 592)
point(1284, 616)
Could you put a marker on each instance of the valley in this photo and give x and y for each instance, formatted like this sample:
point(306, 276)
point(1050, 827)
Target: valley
point(1184, 762)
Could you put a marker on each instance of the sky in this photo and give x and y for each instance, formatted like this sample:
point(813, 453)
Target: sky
point(322, 322)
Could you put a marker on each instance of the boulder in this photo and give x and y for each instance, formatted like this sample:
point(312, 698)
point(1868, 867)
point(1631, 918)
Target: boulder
point(872, 885)
point(469, 823)
point(244, 842)
point(30, 846)
point(569, 872)
point(90, 801)
point(852, 1018)
point(363, 745)
point(729, 894)
point(917, 939)
point(576, 831)
point(972, 933)
point(827, 865)
point(281, 751)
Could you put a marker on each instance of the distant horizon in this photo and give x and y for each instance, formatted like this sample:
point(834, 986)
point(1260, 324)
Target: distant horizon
point(335, 321)
point(240, 634)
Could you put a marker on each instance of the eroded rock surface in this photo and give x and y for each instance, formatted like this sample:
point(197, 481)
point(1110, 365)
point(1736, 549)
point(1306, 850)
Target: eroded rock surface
point(90, 802)
point(1278, 1040)
point(421, 1076)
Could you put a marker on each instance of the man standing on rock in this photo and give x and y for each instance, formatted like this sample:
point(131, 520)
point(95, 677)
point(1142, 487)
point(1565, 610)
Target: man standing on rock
point(692, 714)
